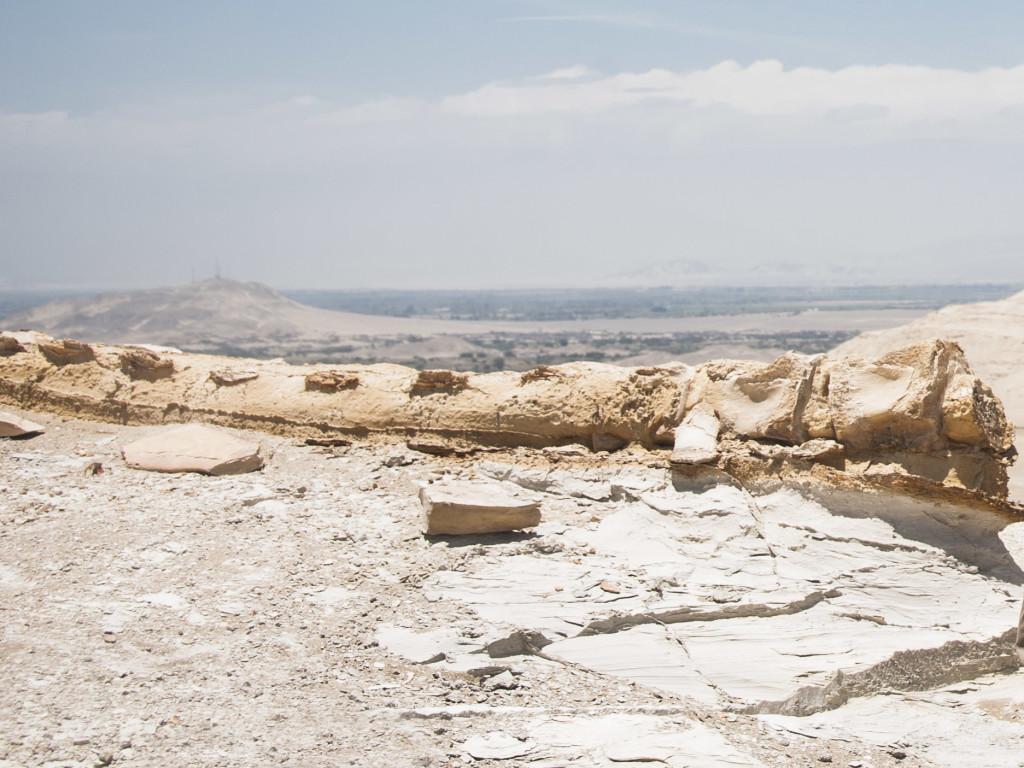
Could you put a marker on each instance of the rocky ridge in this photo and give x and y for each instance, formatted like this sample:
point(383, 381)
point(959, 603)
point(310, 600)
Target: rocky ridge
point(917, 419)
point(771, 603)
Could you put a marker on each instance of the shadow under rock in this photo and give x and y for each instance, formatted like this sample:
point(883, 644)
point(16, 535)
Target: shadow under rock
point(481, 539)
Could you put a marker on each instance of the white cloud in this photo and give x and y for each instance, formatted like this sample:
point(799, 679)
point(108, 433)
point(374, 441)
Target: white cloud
point(766, 88)
point(568, 73)
point(576, 171)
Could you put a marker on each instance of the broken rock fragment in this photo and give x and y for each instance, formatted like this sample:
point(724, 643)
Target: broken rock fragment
point(330, 381)
point(697, 437)
point(194, 448)
point(228, 377)
point(13, 426)
point(143, 364)
point(439, 381)
point(67, 352)
point(10, 346)
point(461, 508)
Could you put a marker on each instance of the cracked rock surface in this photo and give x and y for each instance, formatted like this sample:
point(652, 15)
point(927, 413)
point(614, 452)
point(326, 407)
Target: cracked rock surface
point(297, 616)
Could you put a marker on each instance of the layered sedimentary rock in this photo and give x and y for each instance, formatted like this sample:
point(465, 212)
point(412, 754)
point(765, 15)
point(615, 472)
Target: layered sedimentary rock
point(914, 419)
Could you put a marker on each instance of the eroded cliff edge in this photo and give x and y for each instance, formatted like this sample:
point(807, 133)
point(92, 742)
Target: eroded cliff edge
point(916, 420)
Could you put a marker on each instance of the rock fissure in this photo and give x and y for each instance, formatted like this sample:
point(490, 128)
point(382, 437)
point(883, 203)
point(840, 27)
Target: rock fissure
point(621, 622)
point(908, 670)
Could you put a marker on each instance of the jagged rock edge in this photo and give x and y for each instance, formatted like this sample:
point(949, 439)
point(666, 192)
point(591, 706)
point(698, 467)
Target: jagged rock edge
point(922, 669)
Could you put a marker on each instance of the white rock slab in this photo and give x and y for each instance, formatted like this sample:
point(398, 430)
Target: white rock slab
point(761, 597)
point(613, 739)
point(418, 647)
point(497, 746)
point(1012, 537)
point(194, 448)
point(696, 439)
point(540, 596)
point(648, 655)
point(974, 725)
point(166, 600)
point(333, 596)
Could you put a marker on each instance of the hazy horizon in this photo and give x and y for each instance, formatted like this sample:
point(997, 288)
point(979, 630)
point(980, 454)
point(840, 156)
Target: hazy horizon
point(509, 144)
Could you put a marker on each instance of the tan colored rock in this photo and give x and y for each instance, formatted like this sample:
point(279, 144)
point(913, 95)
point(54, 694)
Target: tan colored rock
point(817, 416)
point(144, 364)
point(10, 345)
point(15, 426)
point(469, 508)
point(578, 401)
point(917, 398)
point(972, 415)
point(437, 380)
point(990, 332)
point(66, 352)
point(330, 381)
point(193, 448)
point(817, 450)
point(574, 403)
point(229, 377)
point(759, 400)
point(921, 408)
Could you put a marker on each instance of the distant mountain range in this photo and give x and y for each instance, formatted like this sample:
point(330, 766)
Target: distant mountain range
point(691, 273)
point(977, 259)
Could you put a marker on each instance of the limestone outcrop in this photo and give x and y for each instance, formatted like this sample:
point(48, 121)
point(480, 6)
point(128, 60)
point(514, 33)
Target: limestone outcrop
point(990, 332)
point(916, 412)
point(916, 419)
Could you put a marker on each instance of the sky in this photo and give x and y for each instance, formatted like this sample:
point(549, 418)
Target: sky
point(509, 143)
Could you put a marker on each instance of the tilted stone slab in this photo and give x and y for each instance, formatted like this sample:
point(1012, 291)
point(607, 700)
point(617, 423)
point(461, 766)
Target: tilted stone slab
point(14, 426)
point(194, 448)
point(466, 508)
point(697, 437)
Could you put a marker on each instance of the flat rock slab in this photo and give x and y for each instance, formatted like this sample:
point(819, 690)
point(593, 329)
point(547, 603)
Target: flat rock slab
point(194, 448)
point(13, 426)
point(465, 508)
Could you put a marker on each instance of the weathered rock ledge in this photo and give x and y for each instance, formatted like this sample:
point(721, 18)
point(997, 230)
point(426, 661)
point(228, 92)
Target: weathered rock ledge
point(916, 420)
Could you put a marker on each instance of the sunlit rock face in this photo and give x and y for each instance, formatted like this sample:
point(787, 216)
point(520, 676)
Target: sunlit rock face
point(916, 415)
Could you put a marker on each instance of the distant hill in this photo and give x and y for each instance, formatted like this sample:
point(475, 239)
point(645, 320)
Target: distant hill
point(215, 314)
